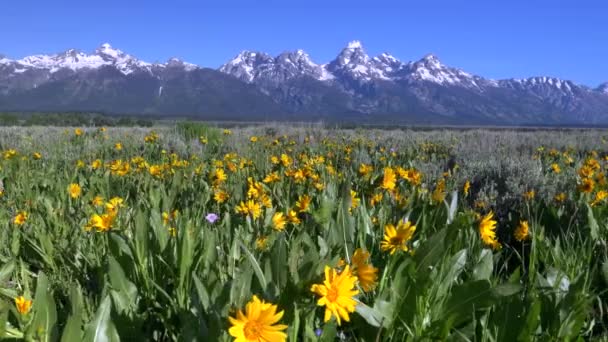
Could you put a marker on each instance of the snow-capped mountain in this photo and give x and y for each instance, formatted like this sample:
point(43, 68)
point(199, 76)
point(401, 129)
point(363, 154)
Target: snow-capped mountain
point(351, 87)
point(251, 67)
point(74, 60)
point(352, 63)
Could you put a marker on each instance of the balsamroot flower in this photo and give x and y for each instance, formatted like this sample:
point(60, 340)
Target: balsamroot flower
point(365, 271)
point(20, 218)
point(74, 190)
point(487, 231)
point(396, 238)
point(337, 292)
point(258, 323)
point(522, 231)
point(23, 305)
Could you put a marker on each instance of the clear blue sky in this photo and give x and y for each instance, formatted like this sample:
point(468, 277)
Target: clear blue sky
point(496, 39)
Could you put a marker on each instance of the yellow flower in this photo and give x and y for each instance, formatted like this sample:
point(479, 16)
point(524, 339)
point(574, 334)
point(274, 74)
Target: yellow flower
point(376, 198)
point(586, 185)
point(96, 164)
point(74, 190)
point(337, 292)
point(466, 188)
point(97, 201)
point(303, 203)
point(354, 200)
point(227, 132)
point(396, 238)
point(36, 155)
point(23, 305)
point(365, 169)
point(250, 208)
point(389, 179)
point(155, 170)
point(487, 231)
point(118, 146)
point(278, 221)
point(261, 243)
point(293, 218)
point(78, 132)
point(560, 197)
point(102, 223)
point(586, 171)
point(439, 194)
point(220, 196)
point(529, 195)
point(365, 272)
point(272, 177)
point(258, 323)
point(20, 218)
point(522, 231)
point(555, 167)
point(114, 203)
point(253, 139)
point(599, 197)
point(285, 160)
point(219, 176)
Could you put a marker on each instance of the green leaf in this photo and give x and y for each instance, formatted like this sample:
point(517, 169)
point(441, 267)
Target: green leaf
point(593, 226)
point(371, 315)
point(457, 263)
point(465, 299)
point(124, 292)
point(6, 271)
point(485, 265)
point(605, 271)
point(330, 330)
point(73, 327)
point(45, 311)
point(430, 251)
point(256, 267)
point(101, 329)
point(3, 318)
point(203, 295)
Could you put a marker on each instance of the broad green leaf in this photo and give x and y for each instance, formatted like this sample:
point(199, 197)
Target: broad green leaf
point(101, 329)
point(124, 292)
point(73, 328)
point(371, 315)
point(485, 264)
point(256, 267)
point(45, 312)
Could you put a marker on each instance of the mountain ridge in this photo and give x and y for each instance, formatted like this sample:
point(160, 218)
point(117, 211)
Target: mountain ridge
point(353, 87)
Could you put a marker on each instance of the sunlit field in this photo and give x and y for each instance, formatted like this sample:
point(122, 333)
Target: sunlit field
point(276, 233)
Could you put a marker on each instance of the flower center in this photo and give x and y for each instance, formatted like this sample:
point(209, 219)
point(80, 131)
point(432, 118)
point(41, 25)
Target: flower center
point(332, 294)
point(253, 330)
point(396, 241)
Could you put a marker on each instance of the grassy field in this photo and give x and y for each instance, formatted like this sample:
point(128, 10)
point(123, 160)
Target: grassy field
point(268, 233)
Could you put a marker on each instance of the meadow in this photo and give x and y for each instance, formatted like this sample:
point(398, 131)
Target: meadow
point(271, 233)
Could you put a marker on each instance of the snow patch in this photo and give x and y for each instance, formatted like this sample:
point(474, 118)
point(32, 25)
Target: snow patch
point(355, 44)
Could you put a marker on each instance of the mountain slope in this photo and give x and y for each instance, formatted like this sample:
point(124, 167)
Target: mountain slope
point(352, 87)
point(112, 81)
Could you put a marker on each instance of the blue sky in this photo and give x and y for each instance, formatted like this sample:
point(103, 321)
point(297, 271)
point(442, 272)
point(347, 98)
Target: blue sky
point(497, 39)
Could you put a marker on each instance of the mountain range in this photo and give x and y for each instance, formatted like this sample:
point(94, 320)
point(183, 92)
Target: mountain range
point(253, 86)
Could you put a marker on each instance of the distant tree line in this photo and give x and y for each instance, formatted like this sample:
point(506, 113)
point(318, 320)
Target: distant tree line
point(71, 119)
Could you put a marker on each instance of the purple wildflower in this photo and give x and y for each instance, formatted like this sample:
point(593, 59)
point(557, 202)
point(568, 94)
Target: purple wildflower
point(211, 217)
